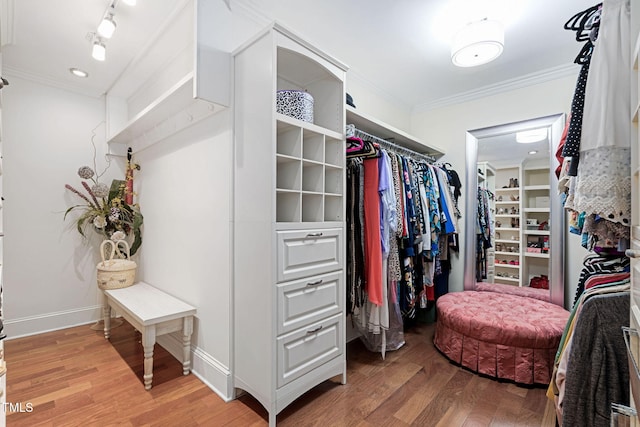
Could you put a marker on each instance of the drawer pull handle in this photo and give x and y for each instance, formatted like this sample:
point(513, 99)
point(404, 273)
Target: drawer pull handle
point(632, 253)
point(313, 331)
point(316, 283)
point(314, 234)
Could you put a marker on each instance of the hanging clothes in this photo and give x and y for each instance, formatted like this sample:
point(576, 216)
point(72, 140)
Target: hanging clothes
point(399, 213)
point(599, 185)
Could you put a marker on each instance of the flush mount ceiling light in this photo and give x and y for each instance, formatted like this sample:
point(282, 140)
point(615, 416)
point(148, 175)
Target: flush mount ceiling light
point(477, 43)
point(529, 136)
point(99, 51)
point(78, 72)
point(129, 2)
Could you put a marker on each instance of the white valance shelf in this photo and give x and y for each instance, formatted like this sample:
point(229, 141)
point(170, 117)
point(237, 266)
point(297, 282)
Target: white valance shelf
point(382, 130)
point(180, 77)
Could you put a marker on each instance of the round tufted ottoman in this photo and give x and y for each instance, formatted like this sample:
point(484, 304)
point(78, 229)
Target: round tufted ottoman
point(504, 336)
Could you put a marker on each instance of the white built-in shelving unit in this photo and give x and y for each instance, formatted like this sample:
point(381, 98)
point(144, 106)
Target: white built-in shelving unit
point(507, 242)
point(289, 219)
point(522, 223)
point(536, 193)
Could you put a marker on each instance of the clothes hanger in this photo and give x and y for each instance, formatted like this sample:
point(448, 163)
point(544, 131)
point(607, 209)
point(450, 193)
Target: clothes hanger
point(584, 21)
point(585, 53)
point(354, 144)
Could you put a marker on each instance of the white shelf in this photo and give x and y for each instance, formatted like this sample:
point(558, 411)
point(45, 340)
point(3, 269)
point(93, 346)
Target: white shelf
point(308, 126)
point(536, 255)
point(174, 110)
point(537, 187)
point(507, 279)
point(180, 77)
point(508, 189)
point(537, 210)
point(382, 130)
point(507, 241)
point(497, 264)
point(536, 232)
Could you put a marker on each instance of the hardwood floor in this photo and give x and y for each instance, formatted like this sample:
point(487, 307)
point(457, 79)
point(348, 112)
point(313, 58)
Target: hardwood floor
point(75, 377)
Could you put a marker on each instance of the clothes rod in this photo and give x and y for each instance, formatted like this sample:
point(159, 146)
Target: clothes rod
point(393, 146)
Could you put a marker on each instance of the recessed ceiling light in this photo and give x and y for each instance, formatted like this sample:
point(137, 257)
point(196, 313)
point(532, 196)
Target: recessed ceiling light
point(533, 152)
point(129, 2)
point(78, 72)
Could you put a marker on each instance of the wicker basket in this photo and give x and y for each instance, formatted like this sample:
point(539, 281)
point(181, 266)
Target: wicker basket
point(115, 273)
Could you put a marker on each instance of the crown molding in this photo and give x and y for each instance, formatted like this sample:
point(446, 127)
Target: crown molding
point(9, 71)
point(7, 15)
point(251, 10)
point(501, 87)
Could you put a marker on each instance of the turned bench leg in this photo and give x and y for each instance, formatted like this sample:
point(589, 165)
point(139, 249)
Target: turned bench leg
point(187, 330)
point(148, 341)
point(106, 316)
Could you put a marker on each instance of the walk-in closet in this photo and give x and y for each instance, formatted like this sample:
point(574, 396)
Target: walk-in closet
point(321, 213)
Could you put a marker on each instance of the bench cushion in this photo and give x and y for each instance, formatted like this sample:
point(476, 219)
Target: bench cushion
point(500, 335)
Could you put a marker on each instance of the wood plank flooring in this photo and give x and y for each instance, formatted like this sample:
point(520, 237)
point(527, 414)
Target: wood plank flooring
point(75, 377)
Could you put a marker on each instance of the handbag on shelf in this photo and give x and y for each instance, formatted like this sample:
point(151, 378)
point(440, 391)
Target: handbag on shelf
point(539, 282)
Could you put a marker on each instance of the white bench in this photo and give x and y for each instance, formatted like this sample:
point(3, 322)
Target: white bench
point(153, 313)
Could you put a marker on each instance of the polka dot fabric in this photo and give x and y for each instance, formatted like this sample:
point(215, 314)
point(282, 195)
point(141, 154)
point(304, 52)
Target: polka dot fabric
point(572, 145)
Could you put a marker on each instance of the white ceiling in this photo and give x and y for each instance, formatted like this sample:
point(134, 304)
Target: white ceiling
point(399, 47)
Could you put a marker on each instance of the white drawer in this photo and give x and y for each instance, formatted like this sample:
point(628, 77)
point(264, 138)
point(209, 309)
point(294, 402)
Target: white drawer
point(305, 349)
point(308, 300)
point(303, 253)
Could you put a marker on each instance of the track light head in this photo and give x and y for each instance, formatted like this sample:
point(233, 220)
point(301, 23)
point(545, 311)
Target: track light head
point(107, 26)
point(99, 51)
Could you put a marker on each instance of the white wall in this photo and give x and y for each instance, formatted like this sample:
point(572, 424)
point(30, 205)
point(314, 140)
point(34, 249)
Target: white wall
point(49, 270)
point(446, 127)
point(184, 189)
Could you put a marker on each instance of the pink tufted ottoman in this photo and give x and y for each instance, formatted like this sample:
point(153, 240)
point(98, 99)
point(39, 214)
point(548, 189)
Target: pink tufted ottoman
point(500, 335)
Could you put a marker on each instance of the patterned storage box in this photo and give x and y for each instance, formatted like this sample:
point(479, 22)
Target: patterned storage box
point(295, 103)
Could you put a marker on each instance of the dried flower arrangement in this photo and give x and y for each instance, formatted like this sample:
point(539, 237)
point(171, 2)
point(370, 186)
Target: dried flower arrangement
point(109, 211)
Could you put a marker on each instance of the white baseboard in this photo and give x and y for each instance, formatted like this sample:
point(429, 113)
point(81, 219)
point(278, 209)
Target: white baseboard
point(32, 325)
point(211, 372)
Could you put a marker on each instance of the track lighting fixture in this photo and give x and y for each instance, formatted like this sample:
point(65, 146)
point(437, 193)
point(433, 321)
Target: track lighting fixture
point(105, 30)
point(108, 25)
point(99, 51)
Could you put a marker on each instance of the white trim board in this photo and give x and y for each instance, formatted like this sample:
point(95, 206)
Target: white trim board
point(211, 372)
point(41, 323)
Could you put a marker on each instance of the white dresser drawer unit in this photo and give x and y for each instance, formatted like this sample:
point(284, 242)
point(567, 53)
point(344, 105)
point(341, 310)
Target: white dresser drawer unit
point(307, 348)
point(303, 253)
point(304, 301)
